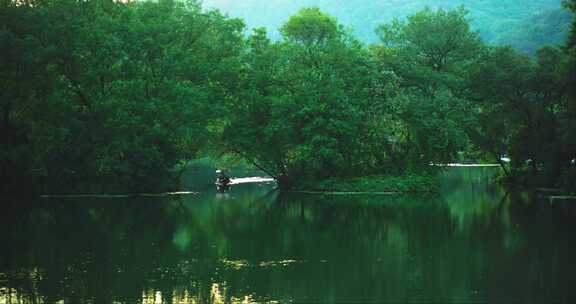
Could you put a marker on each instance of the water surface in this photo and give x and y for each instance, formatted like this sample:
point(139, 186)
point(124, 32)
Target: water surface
point(471, 243)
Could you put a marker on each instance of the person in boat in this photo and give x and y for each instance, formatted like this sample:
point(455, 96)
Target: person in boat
point(221, 178)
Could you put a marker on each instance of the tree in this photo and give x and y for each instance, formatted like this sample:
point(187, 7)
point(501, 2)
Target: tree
point(520, 101)
point(430, 53)
point(301, 111)
point(571, 5)
point(121, 92)
point(310, 27)
point(431, 49)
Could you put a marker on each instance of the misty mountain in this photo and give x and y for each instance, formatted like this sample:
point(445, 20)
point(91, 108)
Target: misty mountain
point(525, 24)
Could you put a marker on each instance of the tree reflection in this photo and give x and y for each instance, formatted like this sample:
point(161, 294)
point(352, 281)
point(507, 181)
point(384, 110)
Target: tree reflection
point(470, 244)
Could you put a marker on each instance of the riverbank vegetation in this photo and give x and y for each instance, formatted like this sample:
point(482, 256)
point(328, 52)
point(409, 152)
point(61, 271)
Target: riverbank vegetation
point(376, 184)
point(109, 95)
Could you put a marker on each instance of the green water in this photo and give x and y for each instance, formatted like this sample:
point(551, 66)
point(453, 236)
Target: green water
point(471, 243)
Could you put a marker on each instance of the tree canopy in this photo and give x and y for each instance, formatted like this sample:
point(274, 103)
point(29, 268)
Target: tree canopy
point(107, 95)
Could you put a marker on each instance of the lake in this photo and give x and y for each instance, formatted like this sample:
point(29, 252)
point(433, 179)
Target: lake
point(470, 243)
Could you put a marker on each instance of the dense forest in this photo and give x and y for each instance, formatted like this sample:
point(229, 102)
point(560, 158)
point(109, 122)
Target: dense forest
point(102, 95)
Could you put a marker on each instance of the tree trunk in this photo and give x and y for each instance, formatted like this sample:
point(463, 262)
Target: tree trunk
point(285, 182)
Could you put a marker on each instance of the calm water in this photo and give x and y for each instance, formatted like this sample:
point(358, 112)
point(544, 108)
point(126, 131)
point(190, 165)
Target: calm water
point(472, 243)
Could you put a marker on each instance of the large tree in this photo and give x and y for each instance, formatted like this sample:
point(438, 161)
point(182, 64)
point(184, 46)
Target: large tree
point(430, 54)
point(301, 110)
point(430, 50)
point(111, 93)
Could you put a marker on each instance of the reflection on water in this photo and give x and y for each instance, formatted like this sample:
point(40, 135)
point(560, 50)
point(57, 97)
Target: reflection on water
point(472, 243)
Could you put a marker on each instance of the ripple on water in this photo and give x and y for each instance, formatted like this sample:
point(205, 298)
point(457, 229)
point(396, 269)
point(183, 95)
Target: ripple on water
point(240, 264)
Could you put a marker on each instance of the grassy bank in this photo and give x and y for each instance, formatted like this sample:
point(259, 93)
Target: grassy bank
point(376, 183)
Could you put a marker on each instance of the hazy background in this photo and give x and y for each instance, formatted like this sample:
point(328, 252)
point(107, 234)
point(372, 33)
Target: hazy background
point(525, 24)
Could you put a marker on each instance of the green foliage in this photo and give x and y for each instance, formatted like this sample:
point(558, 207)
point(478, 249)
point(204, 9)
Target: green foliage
point(119, 95)
point(430, 54)
point(431, 50)
point(438, 40)
point(301, 107)
point(523, 113)
point(436, 127)
point(316, 106)
point(110, 93)
point(571, 5)
point(310, 26)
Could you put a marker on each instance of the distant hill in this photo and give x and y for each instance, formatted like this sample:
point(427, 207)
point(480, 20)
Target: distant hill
point(525, 24)
point(545, 27)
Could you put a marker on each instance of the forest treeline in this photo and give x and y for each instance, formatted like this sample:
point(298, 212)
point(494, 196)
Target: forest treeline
point(102, 95)
point(526, 25)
